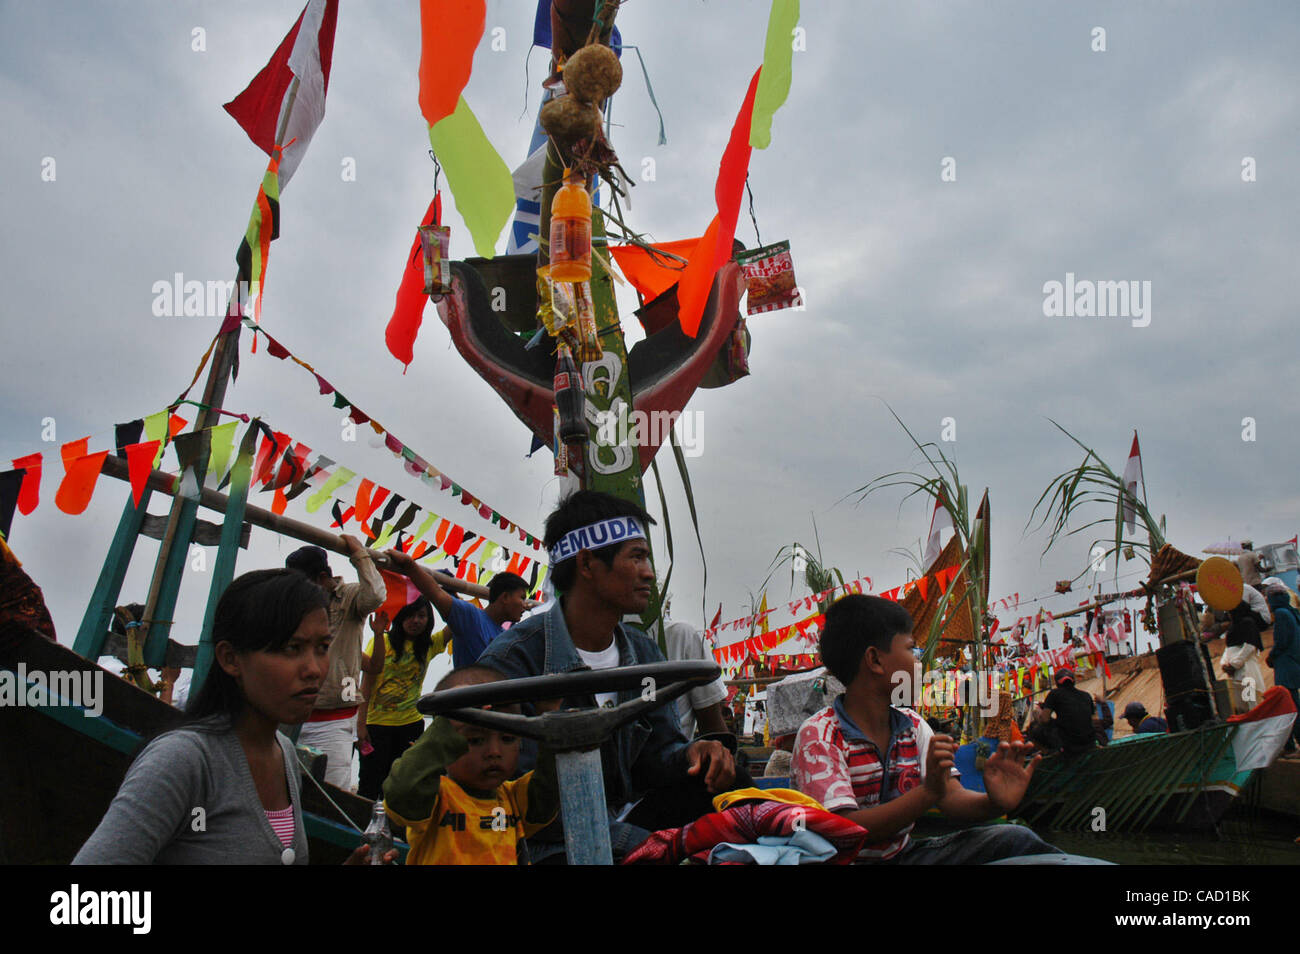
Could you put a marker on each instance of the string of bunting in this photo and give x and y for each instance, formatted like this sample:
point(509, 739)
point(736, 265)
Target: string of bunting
point(280, 466)
point(415, 464)
point(760, 643)
point(862, 585)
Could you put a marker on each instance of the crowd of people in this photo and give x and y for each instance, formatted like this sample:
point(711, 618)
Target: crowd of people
point(226, 787)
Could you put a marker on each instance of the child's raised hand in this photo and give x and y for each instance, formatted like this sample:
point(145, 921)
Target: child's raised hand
point(940, 758)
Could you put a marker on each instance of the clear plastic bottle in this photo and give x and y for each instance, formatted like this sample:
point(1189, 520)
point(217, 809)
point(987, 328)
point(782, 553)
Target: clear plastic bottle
point(378, 835)
point(570, 250)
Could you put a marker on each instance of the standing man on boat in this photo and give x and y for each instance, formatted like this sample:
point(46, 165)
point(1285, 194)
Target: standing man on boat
point(332, 726)
point(1248, 564)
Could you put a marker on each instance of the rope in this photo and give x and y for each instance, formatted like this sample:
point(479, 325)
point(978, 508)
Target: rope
point(345, 815)
point(752, 217)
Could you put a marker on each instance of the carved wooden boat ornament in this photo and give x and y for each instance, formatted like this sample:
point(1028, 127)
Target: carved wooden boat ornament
point(665, 368)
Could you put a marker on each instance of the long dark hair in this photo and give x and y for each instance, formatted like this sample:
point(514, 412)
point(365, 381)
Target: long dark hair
point(259, 611)
point(423, 640)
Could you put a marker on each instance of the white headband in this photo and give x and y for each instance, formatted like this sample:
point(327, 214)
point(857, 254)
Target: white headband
point(595, 536)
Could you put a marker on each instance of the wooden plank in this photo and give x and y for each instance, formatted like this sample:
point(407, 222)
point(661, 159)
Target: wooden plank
point(103, 599)
point(224, 569)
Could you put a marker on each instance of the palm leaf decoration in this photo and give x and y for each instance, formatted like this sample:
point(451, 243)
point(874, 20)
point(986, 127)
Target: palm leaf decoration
point(946, 487)
point(816, 575)
point(1093, 482)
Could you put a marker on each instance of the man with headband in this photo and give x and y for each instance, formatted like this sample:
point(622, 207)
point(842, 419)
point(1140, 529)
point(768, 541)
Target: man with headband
point(601, 570)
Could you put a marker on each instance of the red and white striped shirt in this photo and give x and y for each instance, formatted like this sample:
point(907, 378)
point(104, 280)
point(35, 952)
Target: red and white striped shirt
point(836, 764)
point(282, 821)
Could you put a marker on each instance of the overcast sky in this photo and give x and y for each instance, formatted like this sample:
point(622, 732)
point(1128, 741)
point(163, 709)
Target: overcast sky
point(1122, 165)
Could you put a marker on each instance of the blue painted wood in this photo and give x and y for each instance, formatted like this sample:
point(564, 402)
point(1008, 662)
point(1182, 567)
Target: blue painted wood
point(227, 552)
point(582, 807)
point(155, 647)
point(93, 633)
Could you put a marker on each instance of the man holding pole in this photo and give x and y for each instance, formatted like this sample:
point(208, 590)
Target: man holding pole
point(333, 723)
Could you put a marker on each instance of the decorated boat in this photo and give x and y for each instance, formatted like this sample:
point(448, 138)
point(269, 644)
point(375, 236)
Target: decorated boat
point(63, 755)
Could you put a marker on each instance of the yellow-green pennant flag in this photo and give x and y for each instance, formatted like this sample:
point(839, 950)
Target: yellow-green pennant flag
point(340, 477)
point(477, 176)
point(223, 445)
point(774, 81)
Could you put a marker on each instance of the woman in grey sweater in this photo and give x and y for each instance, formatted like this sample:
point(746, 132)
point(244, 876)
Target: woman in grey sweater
point(224, 788)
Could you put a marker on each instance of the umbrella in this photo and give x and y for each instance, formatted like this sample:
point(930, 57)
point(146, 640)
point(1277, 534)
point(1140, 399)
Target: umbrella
point(1225, 549)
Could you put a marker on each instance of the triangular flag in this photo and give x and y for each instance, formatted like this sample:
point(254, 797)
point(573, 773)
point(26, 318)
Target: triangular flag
point(139, 465)
point(1132, 477)
point(30, 494)
point(222, 447)
point(714, 249)
point(128, 433)
point(940, 520)
point(11, 482)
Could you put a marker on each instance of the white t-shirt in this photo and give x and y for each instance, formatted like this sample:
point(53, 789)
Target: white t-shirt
point(684, 642)
point(606, 658)
point(1255, 601)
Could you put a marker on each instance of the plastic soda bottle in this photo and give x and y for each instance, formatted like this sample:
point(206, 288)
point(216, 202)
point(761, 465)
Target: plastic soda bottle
point(570, 250)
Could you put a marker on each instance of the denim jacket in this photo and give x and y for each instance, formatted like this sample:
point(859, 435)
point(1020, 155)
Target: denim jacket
point(647, 753)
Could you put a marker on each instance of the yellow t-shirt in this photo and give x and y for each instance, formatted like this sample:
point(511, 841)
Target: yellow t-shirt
point(468, 829)
point(398, 688)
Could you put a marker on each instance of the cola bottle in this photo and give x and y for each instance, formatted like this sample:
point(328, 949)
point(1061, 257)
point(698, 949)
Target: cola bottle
point(378, 835)
point(570, 398)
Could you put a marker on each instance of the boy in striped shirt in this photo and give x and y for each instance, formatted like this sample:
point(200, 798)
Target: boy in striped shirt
point(883, 767)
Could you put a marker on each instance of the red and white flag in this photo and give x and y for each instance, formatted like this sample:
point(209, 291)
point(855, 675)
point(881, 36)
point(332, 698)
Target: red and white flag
point(274, 110)
point(1132, 477)
point(938, 521)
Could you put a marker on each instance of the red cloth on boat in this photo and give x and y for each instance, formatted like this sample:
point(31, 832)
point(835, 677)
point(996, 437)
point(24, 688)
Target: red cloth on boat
point(1276, 702)
point(744, 824)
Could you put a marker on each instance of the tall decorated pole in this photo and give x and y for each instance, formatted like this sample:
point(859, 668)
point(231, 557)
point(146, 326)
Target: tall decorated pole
point(541, 325)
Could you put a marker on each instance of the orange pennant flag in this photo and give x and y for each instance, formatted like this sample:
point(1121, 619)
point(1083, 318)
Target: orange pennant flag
point(81, 474)
point(714, 249)
point(139, 464)
point(449, 34)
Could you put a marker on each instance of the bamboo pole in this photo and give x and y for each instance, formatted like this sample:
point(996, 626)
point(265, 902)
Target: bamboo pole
point(285, 526)
point(1130, 594)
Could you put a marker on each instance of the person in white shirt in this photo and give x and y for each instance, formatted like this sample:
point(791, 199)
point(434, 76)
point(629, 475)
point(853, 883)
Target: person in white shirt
point(701, 706)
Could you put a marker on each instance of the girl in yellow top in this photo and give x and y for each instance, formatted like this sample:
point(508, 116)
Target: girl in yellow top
point(388, 721)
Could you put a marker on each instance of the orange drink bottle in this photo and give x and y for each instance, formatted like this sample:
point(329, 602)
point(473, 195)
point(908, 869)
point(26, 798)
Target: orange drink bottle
point(570, 250)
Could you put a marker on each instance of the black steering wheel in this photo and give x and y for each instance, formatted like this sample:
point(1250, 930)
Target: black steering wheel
point(569, 729)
